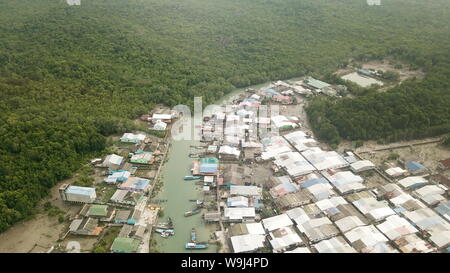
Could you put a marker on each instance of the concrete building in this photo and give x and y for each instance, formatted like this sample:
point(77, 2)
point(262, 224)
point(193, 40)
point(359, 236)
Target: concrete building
point(247, 243)
point(132, 138)
point(77, 194)
point(362, 165)
point(239, 214)
point(113, 162)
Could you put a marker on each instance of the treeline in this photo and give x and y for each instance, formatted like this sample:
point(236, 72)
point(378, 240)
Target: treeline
point(69, 76)
point(415, 109)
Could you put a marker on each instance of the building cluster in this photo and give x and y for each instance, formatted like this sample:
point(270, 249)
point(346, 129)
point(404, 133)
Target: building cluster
point(127, 206)
point(316, 200)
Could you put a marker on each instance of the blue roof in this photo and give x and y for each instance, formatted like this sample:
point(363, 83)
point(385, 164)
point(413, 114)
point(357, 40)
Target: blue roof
point(80, 190)
point(271, 91)
point(414, 166)
point(141, 183)
point(209, 168)
point(333, 211)
point(443, 208)
point(289, 187)
point(311, 182)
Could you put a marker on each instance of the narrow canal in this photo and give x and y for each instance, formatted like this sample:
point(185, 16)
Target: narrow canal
point(178, 192)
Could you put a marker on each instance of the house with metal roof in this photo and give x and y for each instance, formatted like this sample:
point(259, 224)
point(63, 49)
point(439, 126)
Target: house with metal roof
point(395, 227)
point(317, 229)
point(113, 162)
point(77, 194)
point(276, 222)
point(415, 167)
point(247, 243)
point(413, 182)
point(334, 245)
point(239, 214)
point(444, 210)
point(315, 84)
point(431, 194)
point(118, 177)
point(284, 238)
point(142, 158)
point(135, 184)
point(361, 165)
point(411, 243)
point(132, 138)
point(368, 239)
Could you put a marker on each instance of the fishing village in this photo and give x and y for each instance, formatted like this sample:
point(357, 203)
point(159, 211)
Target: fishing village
point(257, 180)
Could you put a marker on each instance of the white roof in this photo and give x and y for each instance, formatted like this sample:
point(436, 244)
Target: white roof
point(299, 250)
point(431, 194)
point(362, 165)
point(208, 179)
point(162, 116)
point(321, 190)
point(368, 235)
point(412, 180)
point(324, 159)
point(239, 213)
point(427, 219)
point(395, 227)
point(396, 171)
point(245, 190)
point(376, 209)
point(440, 238)
point(334, 245)
point(288, 238)
point(280, 121)
point(228, 150)
point(113, 159)
point(348, 223)
point(276, 222)
point(255, 228)
point(332, 202)
point(237, 201)
point(294, 163)
point(139, 137)
point(247, 243)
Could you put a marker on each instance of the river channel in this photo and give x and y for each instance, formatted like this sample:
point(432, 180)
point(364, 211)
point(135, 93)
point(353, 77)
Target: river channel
point(178, 192)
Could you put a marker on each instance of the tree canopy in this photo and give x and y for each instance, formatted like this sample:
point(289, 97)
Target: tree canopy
point(71, 75)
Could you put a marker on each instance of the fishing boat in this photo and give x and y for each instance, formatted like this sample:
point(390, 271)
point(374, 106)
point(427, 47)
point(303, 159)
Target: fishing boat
point(192, 177)
point(165, 230)
point(168, 225)
point(191, 212)
point(193, 235)
point(198, 202)
point(196, 246)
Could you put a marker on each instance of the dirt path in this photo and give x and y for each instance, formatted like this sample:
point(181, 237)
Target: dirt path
point(41, 232)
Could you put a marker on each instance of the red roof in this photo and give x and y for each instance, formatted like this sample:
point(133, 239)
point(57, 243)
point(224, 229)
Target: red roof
point(445, 163)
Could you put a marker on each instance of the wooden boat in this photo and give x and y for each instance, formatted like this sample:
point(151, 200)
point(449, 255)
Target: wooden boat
point(192, 177)
point(193, 235)
point(168, 225)
point(196, 246)
point(162, 230)
point(191, 212)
